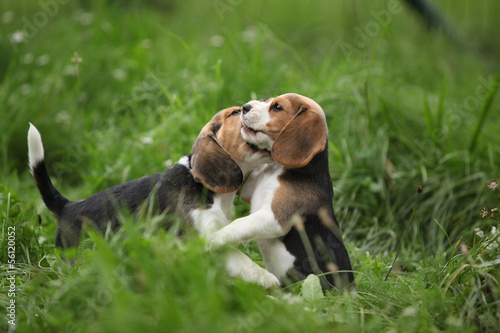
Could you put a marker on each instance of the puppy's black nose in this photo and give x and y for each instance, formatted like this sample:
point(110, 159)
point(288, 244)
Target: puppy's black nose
point(246, 108)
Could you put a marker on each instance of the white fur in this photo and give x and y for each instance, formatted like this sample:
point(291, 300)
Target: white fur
point(184, 160)
point(263, 183)
point(35, 147)
point(276, 257)
point(258, 116)
point(253, 160)
point(239, 265)
point(261, 140)
point(263, 180)
point(261, 223)
point(256, 119)
point(208, 221)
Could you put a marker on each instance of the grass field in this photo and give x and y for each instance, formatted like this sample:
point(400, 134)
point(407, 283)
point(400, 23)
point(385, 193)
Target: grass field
point(121, 89)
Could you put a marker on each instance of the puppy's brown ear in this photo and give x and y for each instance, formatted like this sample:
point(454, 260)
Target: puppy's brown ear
point(212, 165)
point(301, 139)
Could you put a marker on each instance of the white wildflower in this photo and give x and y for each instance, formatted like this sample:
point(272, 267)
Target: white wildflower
point(147, 140)
point(43, 60)
point(17, 37)
point(217, 40)
point(119, 74)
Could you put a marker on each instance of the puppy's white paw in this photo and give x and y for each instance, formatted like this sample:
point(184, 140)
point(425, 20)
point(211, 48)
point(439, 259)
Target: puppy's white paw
point(216, 240)
point(260, 276)
point(269, 280)
point(238, 265)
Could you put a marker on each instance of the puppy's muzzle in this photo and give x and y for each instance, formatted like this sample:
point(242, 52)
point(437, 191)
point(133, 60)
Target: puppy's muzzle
point(246, 108)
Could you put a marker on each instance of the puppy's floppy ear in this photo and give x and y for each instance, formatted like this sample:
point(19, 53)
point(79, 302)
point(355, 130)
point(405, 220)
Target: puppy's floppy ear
point(301, 139)
point(212, 165)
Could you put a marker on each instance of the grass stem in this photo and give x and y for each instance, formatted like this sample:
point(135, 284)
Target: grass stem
point(404, 235)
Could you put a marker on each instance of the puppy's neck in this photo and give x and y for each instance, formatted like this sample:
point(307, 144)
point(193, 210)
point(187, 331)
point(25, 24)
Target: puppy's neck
point(317, 165)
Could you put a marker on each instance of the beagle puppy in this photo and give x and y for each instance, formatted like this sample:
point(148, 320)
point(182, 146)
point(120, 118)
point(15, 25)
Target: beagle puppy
point(291, 215)
point(200, 189)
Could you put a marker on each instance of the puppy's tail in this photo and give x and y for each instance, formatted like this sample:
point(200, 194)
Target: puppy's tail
point(50, 195)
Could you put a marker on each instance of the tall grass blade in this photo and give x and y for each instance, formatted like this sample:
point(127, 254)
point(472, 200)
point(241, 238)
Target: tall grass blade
point(484, 112)
point(445, 233)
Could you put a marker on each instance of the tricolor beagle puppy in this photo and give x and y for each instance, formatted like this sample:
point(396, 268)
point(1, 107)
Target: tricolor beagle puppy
point(200, 188)
point(295, 190)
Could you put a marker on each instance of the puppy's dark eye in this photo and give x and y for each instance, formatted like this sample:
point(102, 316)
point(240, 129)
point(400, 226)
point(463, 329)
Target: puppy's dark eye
point(277, 107)
point(235, 112)
point(262, 100)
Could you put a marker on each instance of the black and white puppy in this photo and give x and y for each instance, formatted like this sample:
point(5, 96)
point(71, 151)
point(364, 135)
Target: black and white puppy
point(295, 190)
point(200, 188)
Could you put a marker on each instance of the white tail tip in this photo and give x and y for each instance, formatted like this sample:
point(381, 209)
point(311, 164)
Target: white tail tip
point(35, 147)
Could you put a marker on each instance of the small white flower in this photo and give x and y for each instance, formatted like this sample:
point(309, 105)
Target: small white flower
point(492, 246)
point(70, 70)
point(119, 74)
point(27, 58)
point(493, 184)
point(43, 60)
point(63, 117)
point(250, 34)
point(86, 18)
point(25, 89)
point(479, 232)
point(17, 37)
point(410, 311)
point(147, 140)
point(217, 40)
point(453, 321)
point(493, 231)
point(83, 17)
point(168, 163)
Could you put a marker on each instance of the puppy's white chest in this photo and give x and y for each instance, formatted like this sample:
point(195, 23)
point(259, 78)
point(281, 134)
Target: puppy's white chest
point(265, 184)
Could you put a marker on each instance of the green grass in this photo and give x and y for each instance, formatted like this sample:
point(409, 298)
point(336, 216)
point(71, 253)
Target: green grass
point(405, 107)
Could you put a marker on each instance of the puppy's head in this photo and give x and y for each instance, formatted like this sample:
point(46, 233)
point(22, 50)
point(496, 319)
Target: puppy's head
point(220, 157)
point(292, 126)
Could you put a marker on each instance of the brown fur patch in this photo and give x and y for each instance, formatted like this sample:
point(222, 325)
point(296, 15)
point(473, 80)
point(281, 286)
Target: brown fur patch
point(299, 130)
point(295, 195)
point(218, 150)
point(212, 164)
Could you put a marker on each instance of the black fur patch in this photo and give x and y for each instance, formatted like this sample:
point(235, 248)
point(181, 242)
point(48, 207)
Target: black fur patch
point(174, 191)
point(216, 127)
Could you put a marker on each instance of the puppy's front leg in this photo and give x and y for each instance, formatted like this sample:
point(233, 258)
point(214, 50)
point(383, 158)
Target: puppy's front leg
point(259, 225)
point(238, 265)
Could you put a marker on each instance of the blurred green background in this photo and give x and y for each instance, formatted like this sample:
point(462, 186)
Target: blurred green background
point(121, 89)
